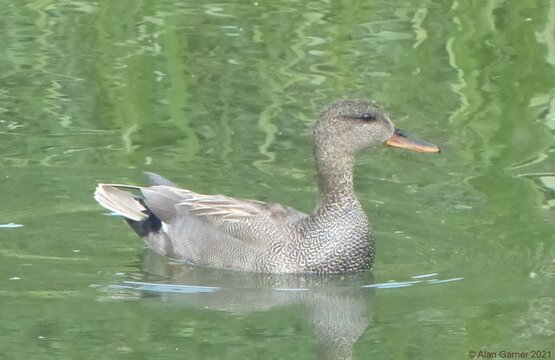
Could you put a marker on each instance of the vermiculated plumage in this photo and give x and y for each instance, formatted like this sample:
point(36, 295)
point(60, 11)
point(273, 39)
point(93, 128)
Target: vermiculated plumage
point(229, 233)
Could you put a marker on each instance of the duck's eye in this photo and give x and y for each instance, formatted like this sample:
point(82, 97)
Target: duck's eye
point(368, 117)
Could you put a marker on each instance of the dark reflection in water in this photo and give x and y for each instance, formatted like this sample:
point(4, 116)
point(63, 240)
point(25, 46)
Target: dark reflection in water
point(338, 307)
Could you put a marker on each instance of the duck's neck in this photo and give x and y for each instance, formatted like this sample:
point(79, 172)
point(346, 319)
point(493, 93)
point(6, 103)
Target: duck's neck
point(335, 176)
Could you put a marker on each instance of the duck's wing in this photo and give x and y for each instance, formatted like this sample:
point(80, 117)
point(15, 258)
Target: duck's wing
point(220, 209)
point(253, 222)
point(157, 179)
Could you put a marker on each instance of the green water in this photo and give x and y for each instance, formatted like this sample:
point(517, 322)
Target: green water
point(220, 97)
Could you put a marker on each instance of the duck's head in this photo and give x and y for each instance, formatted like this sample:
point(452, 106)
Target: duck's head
point(350, 126)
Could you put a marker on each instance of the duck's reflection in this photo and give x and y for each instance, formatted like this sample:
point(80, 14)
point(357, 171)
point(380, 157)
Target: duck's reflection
point(337, 307)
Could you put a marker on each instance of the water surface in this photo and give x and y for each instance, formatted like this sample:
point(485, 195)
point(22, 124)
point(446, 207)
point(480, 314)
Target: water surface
point(220, 97)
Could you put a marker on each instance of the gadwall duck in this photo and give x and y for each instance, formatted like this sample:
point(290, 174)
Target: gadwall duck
point(228, 233)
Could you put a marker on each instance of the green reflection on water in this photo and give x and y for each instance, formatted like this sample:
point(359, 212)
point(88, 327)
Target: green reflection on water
point(220, 98)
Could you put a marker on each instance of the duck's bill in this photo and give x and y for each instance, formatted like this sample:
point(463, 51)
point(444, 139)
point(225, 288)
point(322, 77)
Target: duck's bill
point(401, 140)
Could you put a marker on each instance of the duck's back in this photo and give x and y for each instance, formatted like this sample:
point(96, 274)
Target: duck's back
point(209, 230)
